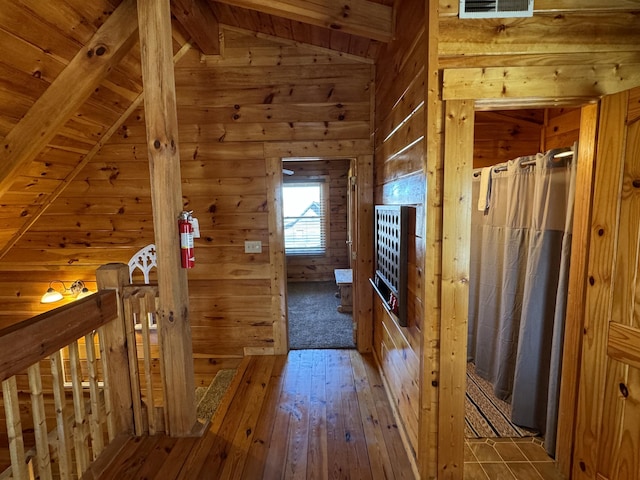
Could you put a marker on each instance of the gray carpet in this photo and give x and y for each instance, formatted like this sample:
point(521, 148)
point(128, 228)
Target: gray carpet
point(314, 321)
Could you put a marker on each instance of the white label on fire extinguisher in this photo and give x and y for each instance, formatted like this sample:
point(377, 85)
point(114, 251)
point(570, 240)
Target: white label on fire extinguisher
point(196, 227)
point(186, 240)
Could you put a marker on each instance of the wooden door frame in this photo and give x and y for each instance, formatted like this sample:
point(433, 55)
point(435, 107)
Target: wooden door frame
point(457, 141)
point(362, 267)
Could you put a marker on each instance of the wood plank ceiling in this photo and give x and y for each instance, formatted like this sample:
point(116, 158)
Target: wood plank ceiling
point(68, 77)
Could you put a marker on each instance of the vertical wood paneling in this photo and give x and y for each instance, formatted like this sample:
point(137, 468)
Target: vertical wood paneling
point(277, 257)
point(577, 286)
point(400, 179)
point(620, 422)
point(456, 234)
point(500, 136)
point(362, 294)
point(598, 296)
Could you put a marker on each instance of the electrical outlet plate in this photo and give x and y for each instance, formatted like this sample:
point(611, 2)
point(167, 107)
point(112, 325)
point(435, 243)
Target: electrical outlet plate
point(253, 246)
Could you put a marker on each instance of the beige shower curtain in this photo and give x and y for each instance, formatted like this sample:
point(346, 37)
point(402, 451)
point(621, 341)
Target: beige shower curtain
point(518, 285)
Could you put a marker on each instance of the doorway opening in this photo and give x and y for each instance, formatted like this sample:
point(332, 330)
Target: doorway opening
point(317, 239)
point(498, 370)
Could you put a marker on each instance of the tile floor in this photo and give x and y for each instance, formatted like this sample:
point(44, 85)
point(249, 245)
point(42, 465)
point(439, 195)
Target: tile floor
point(508, 459)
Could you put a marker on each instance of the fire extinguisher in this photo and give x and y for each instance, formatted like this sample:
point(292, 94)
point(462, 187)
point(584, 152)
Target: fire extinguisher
point(187, 226)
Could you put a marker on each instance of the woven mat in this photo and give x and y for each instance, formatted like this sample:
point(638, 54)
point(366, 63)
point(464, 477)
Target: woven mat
point(485, 415)
point(208, 398)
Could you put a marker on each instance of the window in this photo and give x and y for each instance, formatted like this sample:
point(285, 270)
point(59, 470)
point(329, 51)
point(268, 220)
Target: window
point(305, 217)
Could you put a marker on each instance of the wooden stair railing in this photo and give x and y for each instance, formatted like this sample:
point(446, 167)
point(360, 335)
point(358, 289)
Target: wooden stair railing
point(102, 379)
point(83, 428)
point(69, 368)
point(143, 345)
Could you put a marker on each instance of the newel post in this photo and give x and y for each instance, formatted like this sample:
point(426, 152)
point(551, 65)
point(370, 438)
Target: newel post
point(114, 343)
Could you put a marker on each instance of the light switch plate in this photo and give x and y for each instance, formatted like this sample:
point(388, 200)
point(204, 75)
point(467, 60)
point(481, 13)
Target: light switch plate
point(253, 246)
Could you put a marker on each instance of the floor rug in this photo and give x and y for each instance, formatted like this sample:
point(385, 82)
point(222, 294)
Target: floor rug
point(314, 321)
point(208, 398)
point(486, 415)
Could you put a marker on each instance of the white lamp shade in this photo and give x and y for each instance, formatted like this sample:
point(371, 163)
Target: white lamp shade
point(51, 296)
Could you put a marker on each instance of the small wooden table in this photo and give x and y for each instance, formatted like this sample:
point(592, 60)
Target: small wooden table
point(344, 280)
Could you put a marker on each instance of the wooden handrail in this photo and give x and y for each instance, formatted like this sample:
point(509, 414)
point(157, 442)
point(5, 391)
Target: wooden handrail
point(25, 343)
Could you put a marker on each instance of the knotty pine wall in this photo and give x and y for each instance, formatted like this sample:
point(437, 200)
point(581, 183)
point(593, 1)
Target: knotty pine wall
point(502, 135)
point(537, 61)
point(229, 109)
point(399, 179)
point(303, 268)
point(535, 48)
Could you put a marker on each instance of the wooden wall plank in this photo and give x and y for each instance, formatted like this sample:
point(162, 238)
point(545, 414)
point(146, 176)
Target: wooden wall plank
point(575, 32)
point(456, 233)
point(362, 294)
point(577, 286)
point(399, 132)
point(585, 81)
point(277, 257)
point(608, 173)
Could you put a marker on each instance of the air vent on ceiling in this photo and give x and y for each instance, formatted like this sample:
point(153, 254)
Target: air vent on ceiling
point(495, 8)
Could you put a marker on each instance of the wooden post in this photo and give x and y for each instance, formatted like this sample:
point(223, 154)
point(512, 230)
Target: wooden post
point(433, 168)
point(456, 238)
point(363, 300)
point(154, 19)
point(113, 341)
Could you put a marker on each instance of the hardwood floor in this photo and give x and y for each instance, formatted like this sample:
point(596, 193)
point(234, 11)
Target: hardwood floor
point(314, 414)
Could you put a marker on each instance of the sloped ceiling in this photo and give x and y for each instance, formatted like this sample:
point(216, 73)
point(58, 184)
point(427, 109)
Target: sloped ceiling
point(70, 73)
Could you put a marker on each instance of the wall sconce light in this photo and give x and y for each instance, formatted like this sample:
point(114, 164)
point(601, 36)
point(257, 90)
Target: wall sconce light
point(78, 289)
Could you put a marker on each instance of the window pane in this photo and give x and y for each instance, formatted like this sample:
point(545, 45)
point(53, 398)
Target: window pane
point(304, 218)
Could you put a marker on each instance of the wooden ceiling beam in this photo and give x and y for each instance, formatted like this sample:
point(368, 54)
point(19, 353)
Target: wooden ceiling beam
point(357, 17)
point(68, 92)
point(106, 136)
point(200, 22)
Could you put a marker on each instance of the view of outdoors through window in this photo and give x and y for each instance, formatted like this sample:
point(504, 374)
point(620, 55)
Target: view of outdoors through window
point(304, 218)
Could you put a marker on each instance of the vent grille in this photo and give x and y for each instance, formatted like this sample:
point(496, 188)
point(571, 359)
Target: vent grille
point(495, 8)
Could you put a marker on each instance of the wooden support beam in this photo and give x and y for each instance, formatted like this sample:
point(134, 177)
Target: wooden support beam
point(166, 197)
point(363, 294)
point(200, 22)
point(40, 209)
point(432, 168)
point(68, 92)
point(357, 17)
point(574, 328)
point(456, 239)
point(586, 81)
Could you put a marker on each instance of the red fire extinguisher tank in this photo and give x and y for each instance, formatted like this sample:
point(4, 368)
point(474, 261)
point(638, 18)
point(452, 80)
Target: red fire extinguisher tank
point(186, 240)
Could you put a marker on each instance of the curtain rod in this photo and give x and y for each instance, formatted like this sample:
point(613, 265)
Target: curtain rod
point(528, 163)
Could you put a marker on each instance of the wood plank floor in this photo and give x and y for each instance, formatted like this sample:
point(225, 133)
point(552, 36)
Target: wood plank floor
point(314, 414)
